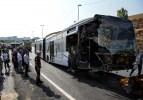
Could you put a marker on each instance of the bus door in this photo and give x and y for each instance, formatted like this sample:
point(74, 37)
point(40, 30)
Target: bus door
point(51, 51)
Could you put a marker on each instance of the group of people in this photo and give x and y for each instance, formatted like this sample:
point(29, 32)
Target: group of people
point(20, 58)
point(4, 60)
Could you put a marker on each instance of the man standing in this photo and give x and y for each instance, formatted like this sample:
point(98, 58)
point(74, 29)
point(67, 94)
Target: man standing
point(37, 68)
point(1, 63)
point(19, 59)
point(6, 61)
point(138, 63)
point(14, 59)
point(26, 63)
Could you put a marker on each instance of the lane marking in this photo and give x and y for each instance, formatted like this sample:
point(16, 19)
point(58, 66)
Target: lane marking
point(57, 87)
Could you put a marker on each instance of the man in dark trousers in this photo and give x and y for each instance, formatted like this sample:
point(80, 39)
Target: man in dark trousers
point(37, 68)
point(138, 63)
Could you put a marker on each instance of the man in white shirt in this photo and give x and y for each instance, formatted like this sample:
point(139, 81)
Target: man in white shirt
point(26, 63)
point(19, 59)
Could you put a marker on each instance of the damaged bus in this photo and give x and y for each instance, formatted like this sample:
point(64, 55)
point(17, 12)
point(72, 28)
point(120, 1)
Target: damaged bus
point(100, 43)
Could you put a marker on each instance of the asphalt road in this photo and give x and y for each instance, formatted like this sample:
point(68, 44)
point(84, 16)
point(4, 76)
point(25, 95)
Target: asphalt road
point(81, 86)
point(60, 85)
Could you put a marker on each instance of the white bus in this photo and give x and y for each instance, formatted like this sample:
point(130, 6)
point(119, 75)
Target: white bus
point(98, 43)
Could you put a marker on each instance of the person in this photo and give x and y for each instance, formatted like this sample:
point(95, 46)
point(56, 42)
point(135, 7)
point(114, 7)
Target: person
point(14, 59)
point(6, 61)
point(71, 59)
point(37, 68)
point(1, 64)
point(19, 60)
point(138, 63)
point(26, 63)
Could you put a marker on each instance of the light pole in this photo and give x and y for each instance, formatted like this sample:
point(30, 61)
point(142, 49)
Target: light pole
point(42, 30)
point(78, 11)
point(32, 34)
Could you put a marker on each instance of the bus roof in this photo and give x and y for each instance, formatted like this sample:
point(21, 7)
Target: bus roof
point(87, 20)
point(84, 21)
point(48, 35)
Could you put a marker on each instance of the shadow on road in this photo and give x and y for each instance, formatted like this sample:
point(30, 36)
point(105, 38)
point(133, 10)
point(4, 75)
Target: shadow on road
point(45, 89)
point(102, 80)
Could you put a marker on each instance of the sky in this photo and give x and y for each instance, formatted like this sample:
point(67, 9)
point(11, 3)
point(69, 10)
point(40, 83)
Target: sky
point(23, 18)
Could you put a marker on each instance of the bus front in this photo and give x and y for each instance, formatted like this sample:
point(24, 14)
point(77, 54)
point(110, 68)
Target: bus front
point(118, 38)
point(106, 43)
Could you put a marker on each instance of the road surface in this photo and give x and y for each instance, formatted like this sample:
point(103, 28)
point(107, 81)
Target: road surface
point(60, 85)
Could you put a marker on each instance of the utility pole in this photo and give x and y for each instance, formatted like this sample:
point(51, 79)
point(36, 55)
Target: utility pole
point(78, 11)
point(42, 30)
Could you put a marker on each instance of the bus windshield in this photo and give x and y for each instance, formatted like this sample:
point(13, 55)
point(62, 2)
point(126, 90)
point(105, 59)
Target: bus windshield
point(116, 38)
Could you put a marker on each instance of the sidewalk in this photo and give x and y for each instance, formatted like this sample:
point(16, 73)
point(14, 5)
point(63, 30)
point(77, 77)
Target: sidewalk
point(27, 88)
point(7, 91)
point(16, 86)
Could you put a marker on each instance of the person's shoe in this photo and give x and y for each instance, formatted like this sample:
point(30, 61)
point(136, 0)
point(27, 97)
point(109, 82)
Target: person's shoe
point(40, 81)
point(37, 83)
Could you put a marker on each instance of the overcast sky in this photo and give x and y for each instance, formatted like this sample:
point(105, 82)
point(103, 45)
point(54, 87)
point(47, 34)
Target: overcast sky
point(24, 17)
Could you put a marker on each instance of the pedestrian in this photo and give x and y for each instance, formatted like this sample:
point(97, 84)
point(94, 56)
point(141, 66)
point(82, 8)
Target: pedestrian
point(37, 68)
point(14, 58)
point(26, 63)
point(19, 60)
point(1, 64)
point(71, 59)
point(138, 63)
point(6, 61)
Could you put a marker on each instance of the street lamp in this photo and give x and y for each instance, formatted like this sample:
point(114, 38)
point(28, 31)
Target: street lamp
point(42, 30)
point(32, 34)
point(78, 11)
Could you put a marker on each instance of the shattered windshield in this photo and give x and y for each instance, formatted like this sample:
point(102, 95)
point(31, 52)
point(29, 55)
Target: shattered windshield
point(116, 38)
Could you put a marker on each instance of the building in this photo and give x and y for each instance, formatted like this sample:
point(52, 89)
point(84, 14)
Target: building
point(138, 25)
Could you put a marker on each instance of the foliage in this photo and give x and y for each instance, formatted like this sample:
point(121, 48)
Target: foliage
point(122, 13)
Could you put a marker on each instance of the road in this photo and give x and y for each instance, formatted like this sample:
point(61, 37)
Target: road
point(61, 85)
point(82, 86)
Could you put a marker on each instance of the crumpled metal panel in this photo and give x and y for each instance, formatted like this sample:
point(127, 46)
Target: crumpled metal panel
point(105, 40)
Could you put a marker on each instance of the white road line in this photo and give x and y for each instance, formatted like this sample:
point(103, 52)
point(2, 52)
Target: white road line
point(57, 87)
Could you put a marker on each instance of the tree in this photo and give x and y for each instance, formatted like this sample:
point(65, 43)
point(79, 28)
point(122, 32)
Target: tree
point(122, 13)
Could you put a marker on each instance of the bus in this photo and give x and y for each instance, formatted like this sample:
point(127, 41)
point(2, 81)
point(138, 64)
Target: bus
point(99, 43)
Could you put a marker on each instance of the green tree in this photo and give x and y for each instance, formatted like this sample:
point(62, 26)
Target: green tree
point(122, 13)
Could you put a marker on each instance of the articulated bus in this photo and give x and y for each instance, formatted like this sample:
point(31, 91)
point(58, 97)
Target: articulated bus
point(100, 43)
